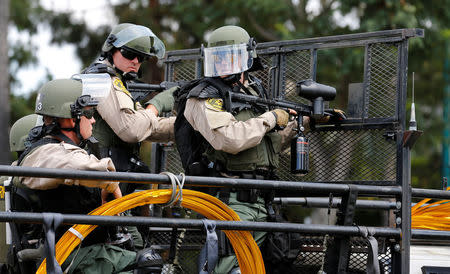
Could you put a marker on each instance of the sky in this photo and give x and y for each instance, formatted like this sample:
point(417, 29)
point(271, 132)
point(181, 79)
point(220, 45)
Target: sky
point(59, 61)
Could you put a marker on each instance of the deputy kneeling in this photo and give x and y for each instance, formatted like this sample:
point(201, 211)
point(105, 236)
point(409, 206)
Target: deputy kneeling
point(68, 120)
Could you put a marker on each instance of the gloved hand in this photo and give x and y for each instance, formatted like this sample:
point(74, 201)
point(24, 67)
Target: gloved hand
point(164, 100)
point(281, 116)
point(332, 116)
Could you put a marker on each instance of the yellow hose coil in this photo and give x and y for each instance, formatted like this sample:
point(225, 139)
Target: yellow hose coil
point(247, 251)
point(434, 216)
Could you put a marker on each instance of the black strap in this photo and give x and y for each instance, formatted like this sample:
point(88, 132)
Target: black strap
point(34, 145)
point(209, 254)
point(64, 138)
point(173, 245)
point(17, 244)
point(224, 90)
point(98, 67)
point(373, 267)
point(51, 223)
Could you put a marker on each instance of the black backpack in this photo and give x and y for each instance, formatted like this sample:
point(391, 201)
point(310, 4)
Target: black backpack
point(190, 143)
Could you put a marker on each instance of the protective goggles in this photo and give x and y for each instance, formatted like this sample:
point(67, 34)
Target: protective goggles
point(79, 107)
point(226, 60)
point(130, 55)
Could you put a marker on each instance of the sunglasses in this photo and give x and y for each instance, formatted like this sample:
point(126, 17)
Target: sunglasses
point(130, 55)
point(88, 113)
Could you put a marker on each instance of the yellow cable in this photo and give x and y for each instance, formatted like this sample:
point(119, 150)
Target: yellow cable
point(247, 251)
point(434, 216)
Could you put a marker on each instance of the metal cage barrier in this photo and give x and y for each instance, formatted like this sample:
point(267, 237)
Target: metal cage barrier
point(365, 149)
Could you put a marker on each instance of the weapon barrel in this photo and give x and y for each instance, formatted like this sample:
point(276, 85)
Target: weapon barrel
point(144, 87)
point(300, 108)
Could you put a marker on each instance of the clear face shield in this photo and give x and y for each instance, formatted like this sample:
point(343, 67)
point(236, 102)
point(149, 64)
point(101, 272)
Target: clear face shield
point(226, 60)
point(96, 85)
point(128, 34)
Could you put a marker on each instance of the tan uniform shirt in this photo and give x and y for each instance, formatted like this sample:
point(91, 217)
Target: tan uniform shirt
point(131, 124)
point(66, 156)
point(223, 131)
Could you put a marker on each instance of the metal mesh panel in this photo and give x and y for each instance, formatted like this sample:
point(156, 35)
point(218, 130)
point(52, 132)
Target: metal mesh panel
point(382, 89)
point(173, 161)
point(184, 70)
point(360, 155)
point(385, 260)
point(312, 252)
point(298, 67)
point(264, 75)
point(189, 243)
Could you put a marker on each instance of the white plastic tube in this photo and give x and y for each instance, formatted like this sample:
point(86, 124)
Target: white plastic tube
point(6, 183)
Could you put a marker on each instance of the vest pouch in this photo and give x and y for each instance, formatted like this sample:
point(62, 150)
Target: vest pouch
point(245, 160)
point(120, 157)
point(274, 148)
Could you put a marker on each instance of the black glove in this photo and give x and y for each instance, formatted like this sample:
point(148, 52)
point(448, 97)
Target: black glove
point(332, 116)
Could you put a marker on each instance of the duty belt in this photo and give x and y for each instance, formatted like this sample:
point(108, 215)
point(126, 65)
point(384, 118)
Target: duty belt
point(244, 195)
point(257, 174)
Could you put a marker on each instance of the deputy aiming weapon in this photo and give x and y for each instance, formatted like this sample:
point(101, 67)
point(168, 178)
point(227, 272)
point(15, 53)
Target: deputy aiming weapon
point(309, 89)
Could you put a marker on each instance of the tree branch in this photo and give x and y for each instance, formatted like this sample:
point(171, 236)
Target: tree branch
point(261, 31)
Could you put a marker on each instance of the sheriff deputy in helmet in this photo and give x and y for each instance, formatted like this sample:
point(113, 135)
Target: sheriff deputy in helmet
point(18, 134)
point(242, 142)
point(123, 123)
point(68, 120)
point(17, 139)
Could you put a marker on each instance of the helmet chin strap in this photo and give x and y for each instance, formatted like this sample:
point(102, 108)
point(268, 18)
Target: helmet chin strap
point(234, 80)
point(129, 75)
point(126, 76)
point(76, 129)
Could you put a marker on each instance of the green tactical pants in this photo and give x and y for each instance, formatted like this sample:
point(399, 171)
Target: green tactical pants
point(255, 212)
point(100, 258)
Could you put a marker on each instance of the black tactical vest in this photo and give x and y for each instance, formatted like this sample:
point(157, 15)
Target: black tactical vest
point(110, 145)
point(265, 154)
point(63, 199)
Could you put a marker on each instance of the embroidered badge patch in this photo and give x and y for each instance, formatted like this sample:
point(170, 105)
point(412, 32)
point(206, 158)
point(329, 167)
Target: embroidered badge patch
point(215, 104)
point(119, 85)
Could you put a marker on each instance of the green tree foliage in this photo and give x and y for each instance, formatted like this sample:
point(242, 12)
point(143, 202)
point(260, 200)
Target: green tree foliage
point(25, 16)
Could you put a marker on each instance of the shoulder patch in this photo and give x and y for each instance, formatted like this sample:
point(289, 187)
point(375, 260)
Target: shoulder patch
point(119, 86)
point(215, 104)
